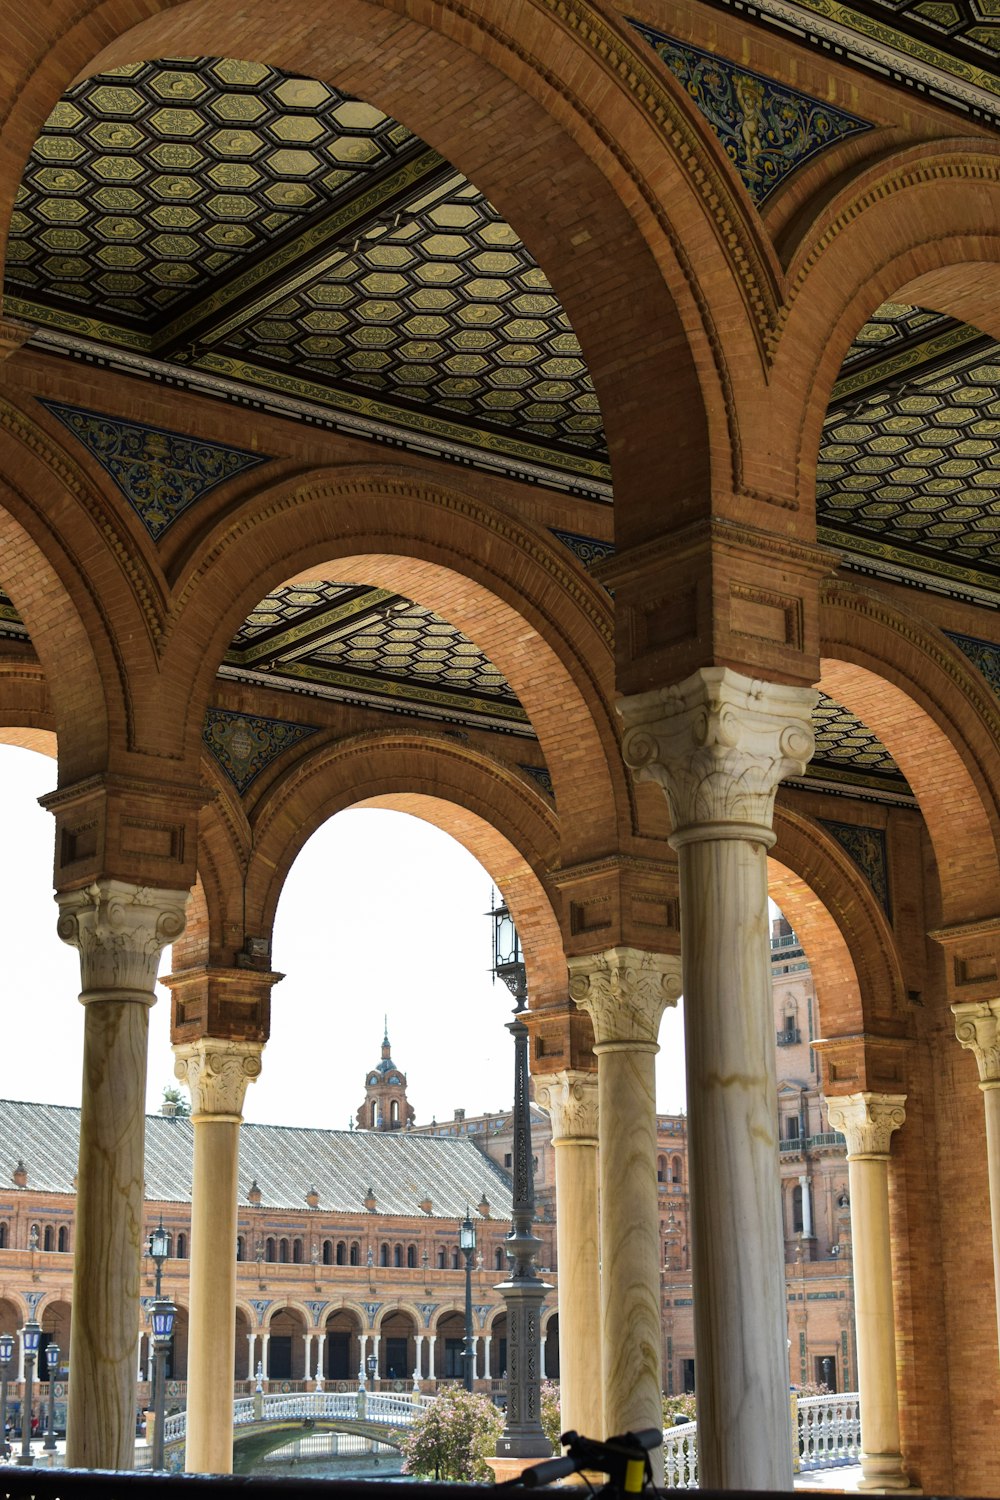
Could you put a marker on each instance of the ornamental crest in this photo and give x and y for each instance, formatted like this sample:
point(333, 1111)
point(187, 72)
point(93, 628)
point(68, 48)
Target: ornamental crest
point(246, 744)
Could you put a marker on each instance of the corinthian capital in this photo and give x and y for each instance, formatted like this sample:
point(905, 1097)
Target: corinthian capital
point(867, 1120)
point(719, 744)
point(217, 1073)
point(977, 1026)
point(120, 929)
point(625, 991)
point(569, 1099)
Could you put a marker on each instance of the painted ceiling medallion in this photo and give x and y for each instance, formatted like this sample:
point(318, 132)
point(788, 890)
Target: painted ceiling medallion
point(766, 128)
point(246, 744)
point(160, 473)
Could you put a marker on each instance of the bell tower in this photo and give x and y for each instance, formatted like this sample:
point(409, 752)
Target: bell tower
point(385, 1106)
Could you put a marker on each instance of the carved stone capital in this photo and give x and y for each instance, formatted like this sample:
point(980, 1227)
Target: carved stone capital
point(719, 744)
point(120, 929)
point(625, 991)
point(217, 1072)
point(867, 1120)
point(977, 1026)
point(569, 1099)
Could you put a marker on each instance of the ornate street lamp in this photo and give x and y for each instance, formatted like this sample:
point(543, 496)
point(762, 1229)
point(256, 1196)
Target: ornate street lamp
point(467, 1240)
point(524, 1291)
point(163, 1313)
point(6, 1355)
point(30, 1335)
point(372, 1367)
point(52, 1365)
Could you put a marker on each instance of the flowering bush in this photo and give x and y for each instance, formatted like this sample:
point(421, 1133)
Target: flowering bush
point(550, 1414)
point(452, 1438)
point(678, 1406)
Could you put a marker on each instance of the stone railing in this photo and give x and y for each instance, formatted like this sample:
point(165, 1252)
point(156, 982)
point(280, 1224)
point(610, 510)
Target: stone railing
point(380, 1407)
point(829, 1438)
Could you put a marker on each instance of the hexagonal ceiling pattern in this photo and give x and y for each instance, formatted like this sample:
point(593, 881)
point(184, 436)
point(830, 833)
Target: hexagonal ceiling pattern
point(228, 218)
point(909, 463)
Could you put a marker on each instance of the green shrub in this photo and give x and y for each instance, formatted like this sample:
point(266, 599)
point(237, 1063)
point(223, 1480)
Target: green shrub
point(452, 1438)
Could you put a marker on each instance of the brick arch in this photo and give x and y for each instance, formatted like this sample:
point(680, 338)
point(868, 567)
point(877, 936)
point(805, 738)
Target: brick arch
point(938, 719)
point(574, 130)
point(845, 933)
point(922, 221)
point(482, 804)
point(214, 927)
point(507, 585)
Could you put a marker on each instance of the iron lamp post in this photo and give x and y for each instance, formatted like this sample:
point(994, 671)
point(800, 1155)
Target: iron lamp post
point(30, 1335)
point(372, 1363)
point(52, 1367)
point(6, 1355)
point(163, 1313)
point(523, 1291)
point(467, 1241)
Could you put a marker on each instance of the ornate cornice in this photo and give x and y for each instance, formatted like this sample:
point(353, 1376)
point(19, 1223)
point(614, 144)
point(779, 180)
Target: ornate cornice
point(625, 992)
point(868, 1121)
point(569, 1099)
point(977, 1027)
point(120, 930)
point(719, 744)
point(217, 1072)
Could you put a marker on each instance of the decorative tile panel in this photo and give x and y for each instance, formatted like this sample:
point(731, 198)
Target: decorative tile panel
point(867, 848)
point(588, 549)
point(766, 128)
point(541, 775)
point(246, 744)
point(160, 473)
point(983, 654)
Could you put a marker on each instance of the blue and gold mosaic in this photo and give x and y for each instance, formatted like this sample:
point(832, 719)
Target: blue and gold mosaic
point(767, 129)
point(246, 744)
point(587, 549)
point(160, 473)
point(983, 654)
point(540, 774)
point(867, 848)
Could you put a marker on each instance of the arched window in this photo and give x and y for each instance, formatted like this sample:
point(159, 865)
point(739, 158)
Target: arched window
point(297, 1252)
point(3, 1236)
point(797, 1210)
point(328, 1253)
point(455, 1262)
point(283, 1251)
point(63, 1241)
point(411, 1257)
point(498, 1258)
point(677, 1169)
point(241, 1248)
point(269, 1250)
point(441, 1260)
point(355, 1252)
point(47, 1237)
point(342, 1254)
point(374, 1119)
point(182, 1247)
point(394, 1112)
point(397, 1256)
point(383, 1255)
point(661, 1169)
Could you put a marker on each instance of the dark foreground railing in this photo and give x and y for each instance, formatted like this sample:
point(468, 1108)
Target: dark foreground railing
point(100, 1484)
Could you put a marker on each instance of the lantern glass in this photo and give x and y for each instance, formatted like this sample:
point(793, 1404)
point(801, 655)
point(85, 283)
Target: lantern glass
point(372, 1362)
point(52, 1356)
point(30, 1334)
point(506, 944)
point(467, 1234)
point(6, 1348)
point(163, 1319)
point(159, 1243)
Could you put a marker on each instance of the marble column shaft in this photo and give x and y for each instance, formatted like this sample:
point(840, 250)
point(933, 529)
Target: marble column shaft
point(120, 930)
point(625, 991)
point(570, 1100)
point(868, 1121)
point(977, 1026)
point(217, 1073)
point(718, 745)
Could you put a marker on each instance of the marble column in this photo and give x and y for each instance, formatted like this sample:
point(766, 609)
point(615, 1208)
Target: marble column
point(418, 1357)
point(868, 1121)
point(718, 744)
point(431, 1341)
point(120, 930)
point(265, 1339)
point(807, 1218)
point(487, 1340)
point(625, 991)
point(570, 1100)
point(977, 1026)
point(320, 1350)
point(251, 1345)
point(217, 1073)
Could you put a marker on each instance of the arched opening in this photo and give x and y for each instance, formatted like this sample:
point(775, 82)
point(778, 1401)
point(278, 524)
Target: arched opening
point(411, 1257)
point(450, 1345)
point(550, 1358)
point(286, 1345)
point(342, 1351)
point(243, 1362)
point(397, 1349)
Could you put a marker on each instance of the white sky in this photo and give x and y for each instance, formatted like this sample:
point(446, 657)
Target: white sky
point(381, 914)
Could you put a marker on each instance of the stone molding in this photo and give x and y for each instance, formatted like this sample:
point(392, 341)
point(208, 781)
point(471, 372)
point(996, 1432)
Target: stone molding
point(719, 744)
point(868, 1121)
point(569, 1098)
point(217, 1072)
point(977, 1027)
point(625, 992)
point(120, 930)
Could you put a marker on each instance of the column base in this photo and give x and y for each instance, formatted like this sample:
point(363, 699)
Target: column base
point(512, 1468)
point(882, 1472)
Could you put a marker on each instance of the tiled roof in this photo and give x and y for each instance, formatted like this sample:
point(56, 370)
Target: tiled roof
point(402, 1169)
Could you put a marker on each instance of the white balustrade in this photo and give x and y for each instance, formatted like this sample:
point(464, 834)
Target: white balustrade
point(829, 1438)
point(390, 1408)
point(680, 1457)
